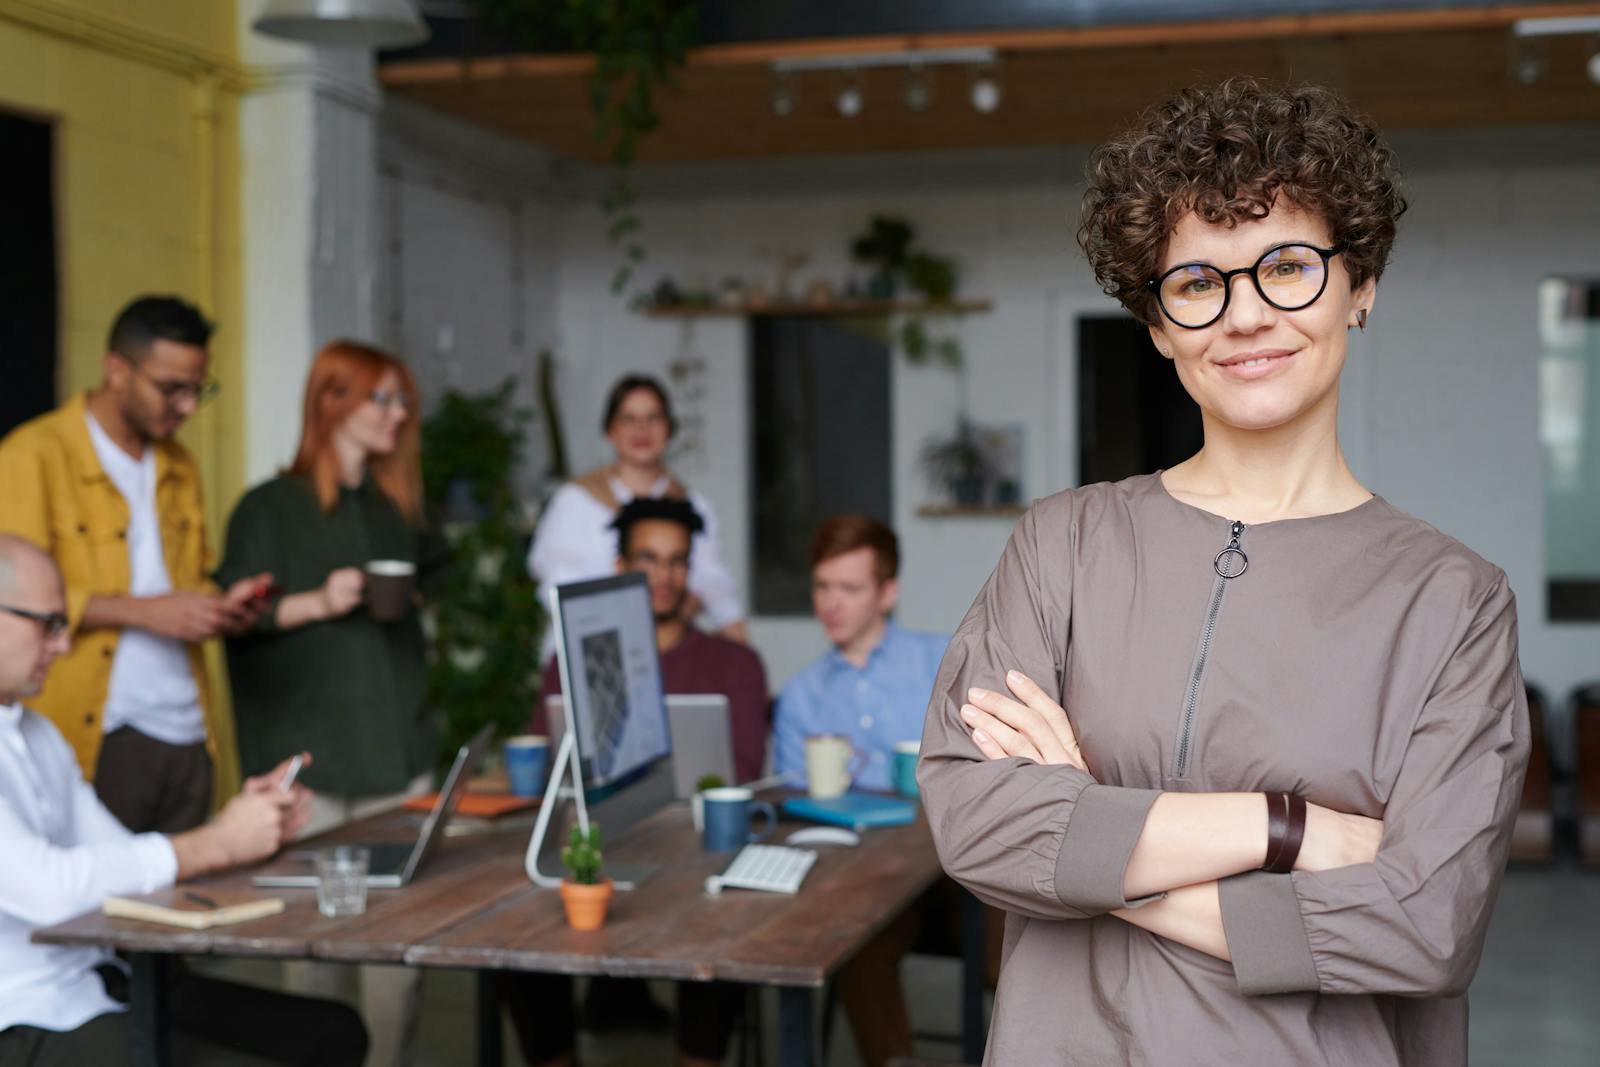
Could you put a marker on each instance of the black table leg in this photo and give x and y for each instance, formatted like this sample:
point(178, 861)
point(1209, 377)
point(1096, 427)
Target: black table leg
point(147, 1019)
point(490, 1053)
point(797, 1041)
point(974, 967)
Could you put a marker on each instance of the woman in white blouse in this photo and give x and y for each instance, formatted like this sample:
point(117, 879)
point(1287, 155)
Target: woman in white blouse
point(574, 541)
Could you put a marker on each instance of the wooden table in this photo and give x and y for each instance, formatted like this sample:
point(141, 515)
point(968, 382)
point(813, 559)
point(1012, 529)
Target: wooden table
point(472, 907)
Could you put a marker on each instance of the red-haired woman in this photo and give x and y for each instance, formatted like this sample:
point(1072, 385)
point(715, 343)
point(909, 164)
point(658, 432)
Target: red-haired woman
point(319, 673)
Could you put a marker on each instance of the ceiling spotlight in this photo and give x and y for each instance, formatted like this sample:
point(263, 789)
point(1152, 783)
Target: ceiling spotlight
point(919, 87)
point(850, 100)
point(985, 91)
point(1528, 60)
point(1564, 26)
point(783, 97)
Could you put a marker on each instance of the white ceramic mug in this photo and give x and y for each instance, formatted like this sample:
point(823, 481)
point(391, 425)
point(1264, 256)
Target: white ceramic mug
point(831, 765)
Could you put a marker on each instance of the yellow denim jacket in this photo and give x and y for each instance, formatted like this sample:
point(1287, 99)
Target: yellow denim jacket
point(54, 493)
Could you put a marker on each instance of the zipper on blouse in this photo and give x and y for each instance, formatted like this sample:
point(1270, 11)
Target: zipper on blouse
point(1229, 564)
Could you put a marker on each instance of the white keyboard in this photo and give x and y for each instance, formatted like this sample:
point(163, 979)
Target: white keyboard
point(769, 868)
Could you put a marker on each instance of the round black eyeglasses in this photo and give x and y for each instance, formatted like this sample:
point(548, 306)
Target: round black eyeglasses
point(54, 623)
point(1288, 276)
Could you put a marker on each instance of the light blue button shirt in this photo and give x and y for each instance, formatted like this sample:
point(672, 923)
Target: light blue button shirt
point(876, 706)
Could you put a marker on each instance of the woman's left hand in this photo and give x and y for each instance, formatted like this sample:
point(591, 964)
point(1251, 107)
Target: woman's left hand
point(1027, 723)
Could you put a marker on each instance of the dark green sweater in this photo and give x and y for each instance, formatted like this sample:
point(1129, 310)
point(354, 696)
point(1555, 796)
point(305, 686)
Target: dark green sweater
point(351, 691)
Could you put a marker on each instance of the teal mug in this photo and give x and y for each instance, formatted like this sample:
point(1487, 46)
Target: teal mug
point(904, 771)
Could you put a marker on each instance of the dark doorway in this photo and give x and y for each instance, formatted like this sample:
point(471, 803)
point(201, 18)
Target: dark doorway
point(1133, 414)
point(27, 269)
point(821, 420)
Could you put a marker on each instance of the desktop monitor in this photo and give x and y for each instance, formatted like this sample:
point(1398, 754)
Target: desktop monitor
point(606, 653)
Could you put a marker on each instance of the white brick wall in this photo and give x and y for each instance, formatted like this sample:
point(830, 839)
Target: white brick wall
point(1440, 399)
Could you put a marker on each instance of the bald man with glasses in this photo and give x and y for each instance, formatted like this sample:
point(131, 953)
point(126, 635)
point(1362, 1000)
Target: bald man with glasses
point(64, 854)
point(101, 485)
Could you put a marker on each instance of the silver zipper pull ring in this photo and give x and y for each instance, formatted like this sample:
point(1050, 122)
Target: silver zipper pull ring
point(1231, 561)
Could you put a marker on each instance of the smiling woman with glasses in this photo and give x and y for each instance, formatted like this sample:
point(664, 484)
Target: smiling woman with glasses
point(572, 543)
point(1238, 745)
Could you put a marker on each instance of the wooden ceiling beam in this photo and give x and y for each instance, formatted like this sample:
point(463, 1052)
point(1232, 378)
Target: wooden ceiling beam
point(762, 53)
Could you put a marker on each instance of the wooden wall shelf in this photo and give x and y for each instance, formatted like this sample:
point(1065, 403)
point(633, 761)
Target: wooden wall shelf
point(968, 511)
point(836, 309)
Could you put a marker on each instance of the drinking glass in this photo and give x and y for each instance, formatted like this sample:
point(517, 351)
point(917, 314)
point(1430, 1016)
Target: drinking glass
point(342, 880)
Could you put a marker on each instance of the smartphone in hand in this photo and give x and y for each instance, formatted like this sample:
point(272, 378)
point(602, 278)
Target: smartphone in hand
point(292, 773)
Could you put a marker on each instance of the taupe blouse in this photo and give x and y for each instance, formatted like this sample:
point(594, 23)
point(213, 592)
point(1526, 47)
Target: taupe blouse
point(1363, 659)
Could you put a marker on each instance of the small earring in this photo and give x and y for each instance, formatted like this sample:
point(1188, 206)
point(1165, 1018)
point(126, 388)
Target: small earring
point(1361, 319)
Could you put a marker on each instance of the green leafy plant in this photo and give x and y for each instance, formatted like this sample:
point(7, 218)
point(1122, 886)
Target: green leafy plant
point(885, 244)
point(638, 46)
point(888, 245)
point(958, 465)
point(582, 856)
point(932, 276)
point(709, 781)
point(484, 620)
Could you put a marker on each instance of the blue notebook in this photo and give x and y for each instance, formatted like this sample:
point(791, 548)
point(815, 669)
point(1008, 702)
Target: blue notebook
point(855, 811)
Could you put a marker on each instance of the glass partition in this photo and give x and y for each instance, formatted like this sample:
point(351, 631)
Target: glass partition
point(1569, 437)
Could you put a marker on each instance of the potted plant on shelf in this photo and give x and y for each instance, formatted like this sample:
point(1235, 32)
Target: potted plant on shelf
point(888, 246)
point(584, 894)
point(958, 465)
point(884, 246)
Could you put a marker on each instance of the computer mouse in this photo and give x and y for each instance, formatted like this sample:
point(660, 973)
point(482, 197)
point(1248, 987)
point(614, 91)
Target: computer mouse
point(823, 835)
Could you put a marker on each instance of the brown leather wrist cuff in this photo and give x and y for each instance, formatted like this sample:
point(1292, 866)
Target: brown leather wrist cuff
point(1277, 826)
point(1286, 830)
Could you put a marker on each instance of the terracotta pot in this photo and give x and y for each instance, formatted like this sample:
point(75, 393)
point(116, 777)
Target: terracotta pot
point(586, 904)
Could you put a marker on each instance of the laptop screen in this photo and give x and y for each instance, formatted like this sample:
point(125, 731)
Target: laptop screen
point(606, 650)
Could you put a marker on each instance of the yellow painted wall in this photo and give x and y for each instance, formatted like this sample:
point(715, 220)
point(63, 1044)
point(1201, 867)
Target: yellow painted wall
point(144, 98)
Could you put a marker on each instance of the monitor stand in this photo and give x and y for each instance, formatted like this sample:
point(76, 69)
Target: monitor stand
point(566, 783)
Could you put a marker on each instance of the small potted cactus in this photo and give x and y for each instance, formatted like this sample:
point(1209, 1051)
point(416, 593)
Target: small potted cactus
point(584, 893)
point(697, 804)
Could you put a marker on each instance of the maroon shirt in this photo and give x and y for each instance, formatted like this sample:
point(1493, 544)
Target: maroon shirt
point(702, 663)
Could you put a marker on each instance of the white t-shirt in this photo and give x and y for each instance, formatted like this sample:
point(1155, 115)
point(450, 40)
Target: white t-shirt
point(61, 854)
point(573, 544)
point(152, 687)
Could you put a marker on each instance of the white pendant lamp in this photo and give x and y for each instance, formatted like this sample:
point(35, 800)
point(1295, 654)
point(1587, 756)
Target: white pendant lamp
point(352, 23)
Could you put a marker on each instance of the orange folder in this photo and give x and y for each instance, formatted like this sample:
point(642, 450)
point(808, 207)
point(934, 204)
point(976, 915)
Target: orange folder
point(476, 805)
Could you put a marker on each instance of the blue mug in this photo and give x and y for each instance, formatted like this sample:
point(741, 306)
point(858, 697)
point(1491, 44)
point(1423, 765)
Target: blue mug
point(527, 758)
point(727, 819)
point(904, 772)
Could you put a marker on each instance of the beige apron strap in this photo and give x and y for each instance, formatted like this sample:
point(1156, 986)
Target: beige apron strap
point(597, 483)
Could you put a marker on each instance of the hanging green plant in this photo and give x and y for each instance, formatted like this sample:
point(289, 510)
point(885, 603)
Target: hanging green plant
point(638, 46)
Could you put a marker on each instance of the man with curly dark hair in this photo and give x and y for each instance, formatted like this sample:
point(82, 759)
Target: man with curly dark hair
point(1237, 745)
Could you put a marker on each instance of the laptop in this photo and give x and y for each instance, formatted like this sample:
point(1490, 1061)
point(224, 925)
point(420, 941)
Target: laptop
point(394, 864)
point(701, 728)
point(702, 740)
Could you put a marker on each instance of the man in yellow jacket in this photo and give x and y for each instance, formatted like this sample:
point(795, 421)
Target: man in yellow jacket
point(100, 484)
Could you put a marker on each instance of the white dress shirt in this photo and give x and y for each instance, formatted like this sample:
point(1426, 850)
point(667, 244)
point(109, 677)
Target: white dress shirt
point(573, 544)
point(152, 687)
point(61, 854)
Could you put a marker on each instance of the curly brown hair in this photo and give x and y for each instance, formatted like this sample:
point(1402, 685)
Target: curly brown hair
point(1225, 152)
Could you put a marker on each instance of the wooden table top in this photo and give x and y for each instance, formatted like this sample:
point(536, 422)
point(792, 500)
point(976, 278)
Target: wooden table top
point(472, 906)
